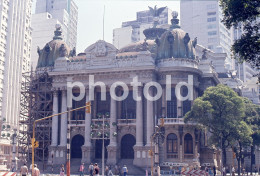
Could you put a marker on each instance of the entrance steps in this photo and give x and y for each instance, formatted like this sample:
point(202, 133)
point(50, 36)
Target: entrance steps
point(132, 169)
point(75, 164)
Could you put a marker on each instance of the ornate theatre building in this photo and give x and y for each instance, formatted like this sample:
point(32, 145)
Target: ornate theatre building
point(130, 124)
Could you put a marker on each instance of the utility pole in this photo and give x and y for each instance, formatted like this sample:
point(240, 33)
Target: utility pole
point(159, 133)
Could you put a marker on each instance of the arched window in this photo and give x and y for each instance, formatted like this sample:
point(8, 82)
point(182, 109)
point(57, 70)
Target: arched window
point(188, 144)
point(172, 144)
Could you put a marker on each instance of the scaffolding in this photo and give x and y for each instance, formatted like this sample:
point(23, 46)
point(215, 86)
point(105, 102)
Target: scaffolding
point(36, 103)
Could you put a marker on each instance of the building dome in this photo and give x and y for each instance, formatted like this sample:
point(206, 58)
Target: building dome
point(53, 50)
point(175, 44)
point(134, 48)
point(163, 44)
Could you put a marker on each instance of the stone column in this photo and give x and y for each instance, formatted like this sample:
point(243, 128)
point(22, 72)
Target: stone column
point(87, 148)
point(112, 148)
point(139, 119)
point(87, 124)
point(64, 125)
point(112, 120)
point(149, 119)
point(54, 133)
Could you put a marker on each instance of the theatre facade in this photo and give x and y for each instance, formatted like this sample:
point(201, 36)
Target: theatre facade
point(165, 56)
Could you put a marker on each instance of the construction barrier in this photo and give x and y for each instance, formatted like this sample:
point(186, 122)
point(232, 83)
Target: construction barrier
point(195, 172)
point(8, 173)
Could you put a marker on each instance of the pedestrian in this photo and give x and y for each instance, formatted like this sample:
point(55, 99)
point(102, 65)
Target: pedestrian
point(116, 170)
point(96, 170)
point(62, 170)
point(125, 170)
point(233, 171)
point(24, 170)
point(119, 171)
point(255, 170)
point(35, 171)
point(224, 171)
point(110, 173)
point(81, 169)
point(106, 170)
point(91, 169)
point(214, 171)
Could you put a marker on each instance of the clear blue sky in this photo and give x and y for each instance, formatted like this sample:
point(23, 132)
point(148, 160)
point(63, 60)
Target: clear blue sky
point(90, 22)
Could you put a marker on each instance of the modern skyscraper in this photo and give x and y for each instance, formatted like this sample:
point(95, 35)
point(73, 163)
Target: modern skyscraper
point(66, 11)
point(15, 53)
point(43, 25)
point(202, 19)
point(132, 31)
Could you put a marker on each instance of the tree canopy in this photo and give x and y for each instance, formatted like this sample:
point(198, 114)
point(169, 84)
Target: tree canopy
point(244, 14)
point(221, 111)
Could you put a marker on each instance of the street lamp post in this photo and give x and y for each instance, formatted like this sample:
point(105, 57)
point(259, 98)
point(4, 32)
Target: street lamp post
point(101, 132)
point(158, 134)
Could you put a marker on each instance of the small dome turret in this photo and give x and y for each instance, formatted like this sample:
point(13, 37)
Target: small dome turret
point(53, 49)
point(175, 43)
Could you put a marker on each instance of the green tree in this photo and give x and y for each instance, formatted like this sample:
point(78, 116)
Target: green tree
point(244, 14)
point(242, 137)
point(220, 110)
point(252, 118)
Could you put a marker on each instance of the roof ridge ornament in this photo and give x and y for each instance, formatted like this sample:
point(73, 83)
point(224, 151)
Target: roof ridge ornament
point(156, 13)
point(174, 20)
point(57, 32)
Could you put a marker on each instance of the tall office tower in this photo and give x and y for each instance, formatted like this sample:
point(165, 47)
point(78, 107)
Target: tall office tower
point(202, 19)
point(43, 25)
point(244, 70)
point(132, 31)
point(15, 54)
point(66, 11)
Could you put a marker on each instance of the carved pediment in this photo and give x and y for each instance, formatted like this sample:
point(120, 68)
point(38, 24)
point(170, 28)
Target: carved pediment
point(100, 49)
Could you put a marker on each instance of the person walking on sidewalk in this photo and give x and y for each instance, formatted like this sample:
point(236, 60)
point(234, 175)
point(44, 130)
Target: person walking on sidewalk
point(233, 171)
point(91, 169)
point(24, 170)
point(96, 170)
point(35, 171)
point(62, 170)
point(81, 170)
point(125, 170)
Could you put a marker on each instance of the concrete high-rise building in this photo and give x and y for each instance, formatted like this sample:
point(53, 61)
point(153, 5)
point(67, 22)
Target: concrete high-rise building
point(132, 31)
point(202, 19)
point(43, 25)
point(15, 54)
point(66, 11)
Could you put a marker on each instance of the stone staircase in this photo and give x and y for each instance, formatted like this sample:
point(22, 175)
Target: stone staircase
point(75, 164)
point(132, 170)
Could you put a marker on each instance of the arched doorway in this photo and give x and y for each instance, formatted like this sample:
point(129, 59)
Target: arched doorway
point(127, 146)
point(188, 144)
point(76, 143)
point(98, 148)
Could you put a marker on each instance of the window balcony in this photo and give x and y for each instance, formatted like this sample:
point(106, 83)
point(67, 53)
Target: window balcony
point(172, 155)
point(123, 122)
point(74, 123)
point(188, 156)
point(172, 121)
